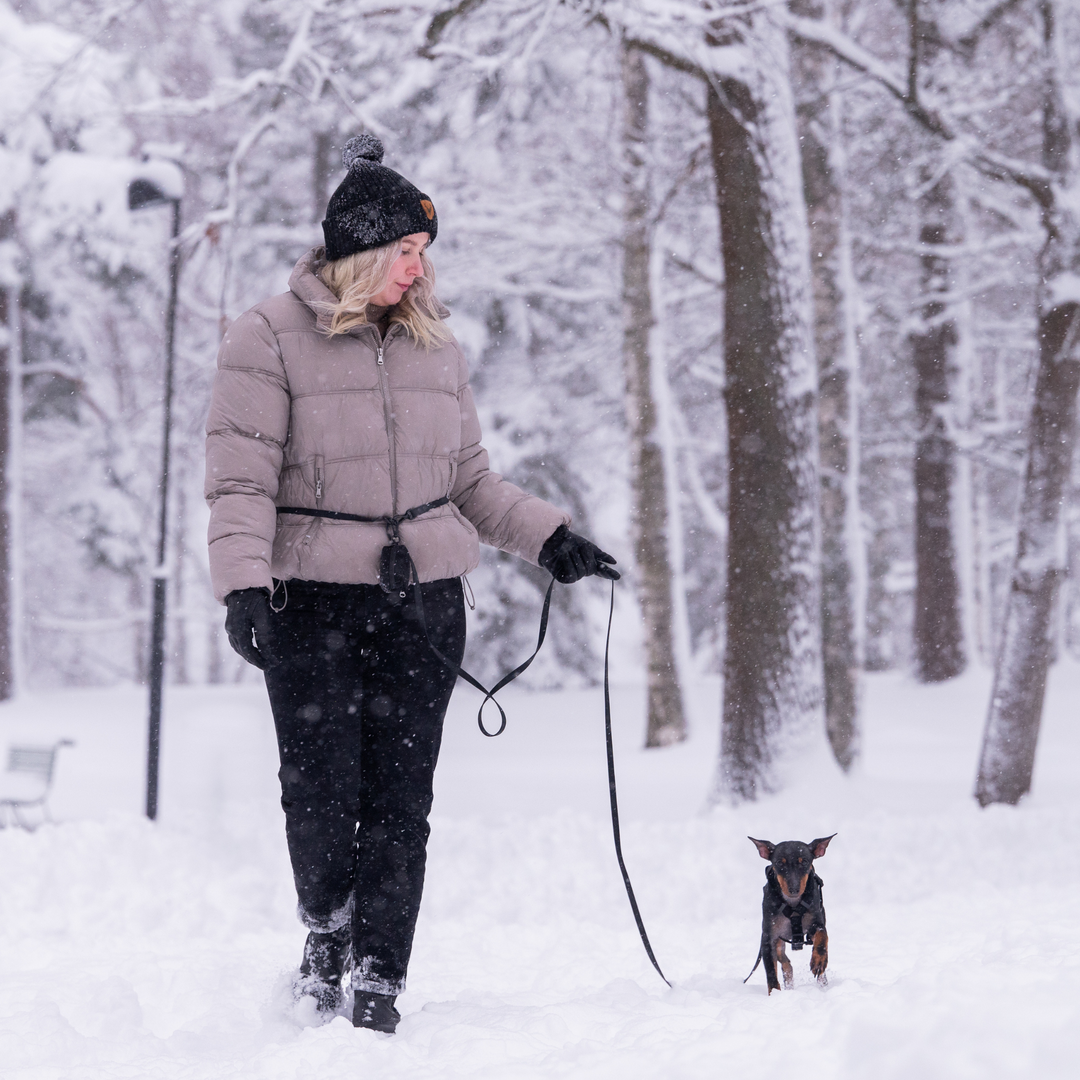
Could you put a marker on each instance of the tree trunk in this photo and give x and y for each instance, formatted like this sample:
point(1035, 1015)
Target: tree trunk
point(1012, 726)
point(772, 663)
point(666, 723)
point(7, 354)
point(939, 638)
point(322, 169)
point(842, 557)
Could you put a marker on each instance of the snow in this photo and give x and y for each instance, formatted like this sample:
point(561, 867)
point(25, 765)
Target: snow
point(1064, 289)
point(166, 175)
point(139, 950)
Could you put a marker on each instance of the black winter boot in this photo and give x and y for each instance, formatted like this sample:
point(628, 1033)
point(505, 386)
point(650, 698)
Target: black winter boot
point(321, 970)
point(375, 1011)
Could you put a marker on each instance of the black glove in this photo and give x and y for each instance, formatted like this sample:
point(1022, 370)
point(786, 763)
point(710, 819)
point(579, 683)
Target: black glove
point(568, 557)
point(249, 613)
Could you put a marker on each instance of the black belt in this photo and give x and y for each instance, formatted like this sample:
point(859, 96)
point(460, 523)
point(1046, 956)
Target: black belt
point(391, 521)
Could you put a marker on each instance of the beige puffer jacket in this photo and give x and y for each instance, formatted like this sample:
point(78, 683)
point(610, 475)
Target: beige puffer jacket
point(356, 424)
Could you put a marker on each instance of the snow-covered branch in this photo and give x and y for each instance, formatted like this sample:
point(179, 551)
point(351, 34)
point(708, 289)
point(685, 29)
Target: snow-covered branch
point(228, 92)
point(930, 114)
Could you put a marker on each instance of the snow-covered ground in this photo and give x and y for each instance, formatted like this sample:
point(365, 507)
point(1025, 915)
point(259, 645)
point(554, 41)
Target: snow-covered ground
point(162, 951)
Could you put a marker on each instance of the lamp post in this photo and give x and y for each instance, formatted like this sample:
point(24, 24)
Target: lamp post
point(146, 191)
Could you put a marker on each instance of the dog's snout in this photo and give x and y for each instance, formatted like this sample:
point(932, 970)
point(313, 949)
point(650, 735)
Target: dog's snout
point(793, 885)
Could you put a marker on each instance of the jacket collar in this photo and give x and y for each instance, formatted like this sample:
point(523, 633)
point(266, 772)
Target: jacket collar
point(306, 285)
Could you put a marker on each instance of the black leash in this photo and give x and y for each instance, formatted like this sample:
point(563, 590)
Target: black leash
point(614, 796)
point(489, 695)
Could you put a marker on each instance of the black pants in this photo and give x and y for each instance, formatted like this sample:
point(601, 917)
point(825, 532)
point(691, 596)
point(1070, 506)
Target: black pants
point(358, 701)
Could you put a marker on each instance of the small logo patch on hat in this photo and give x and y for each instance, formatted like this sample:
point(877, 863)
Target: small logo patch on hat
point(428, 208)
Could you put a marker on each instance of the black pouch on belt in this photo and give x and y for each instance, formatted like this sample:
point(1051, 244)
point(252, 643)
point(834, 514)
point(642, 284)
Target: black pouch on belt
point(395, 570)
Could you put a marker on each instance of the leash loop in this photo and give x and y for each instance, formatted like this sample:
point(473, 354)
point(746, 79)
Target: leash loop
point(457, 669)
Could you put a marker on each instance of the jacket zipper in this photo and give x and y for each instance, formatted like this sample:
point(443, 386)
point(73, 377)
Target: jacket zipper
point(318, 477)
point(388, 413)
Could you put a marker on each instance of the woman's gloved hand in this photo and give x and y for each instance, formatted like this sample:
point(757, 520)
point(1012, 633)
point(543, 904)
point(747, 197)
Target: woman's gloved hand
point(248, 624)
point(568, 557)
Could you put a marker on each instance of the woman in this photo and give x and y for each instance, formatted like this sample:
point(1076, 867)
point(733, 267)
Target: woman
point(341, 428)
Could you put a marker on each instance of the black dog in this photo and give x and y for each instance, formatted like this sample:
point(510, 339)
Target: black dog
point(792, 910)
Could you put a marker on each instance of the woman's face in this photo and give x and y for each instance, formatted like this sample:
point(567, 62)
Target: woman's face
point(406, 269)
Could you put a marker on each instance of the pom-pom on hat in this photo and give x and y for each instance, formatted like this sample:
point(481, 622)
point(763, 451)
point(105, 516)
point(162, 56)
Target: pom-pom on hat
point(373, 205)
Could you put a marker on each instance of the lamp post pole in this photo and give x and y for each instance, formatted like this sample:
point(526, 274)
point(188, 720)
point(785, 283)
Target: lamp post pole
point(142, 193)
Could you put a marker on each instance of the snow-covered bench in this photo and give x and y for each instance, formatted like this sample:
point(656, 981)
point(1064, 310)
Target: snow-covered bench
point(24, 788)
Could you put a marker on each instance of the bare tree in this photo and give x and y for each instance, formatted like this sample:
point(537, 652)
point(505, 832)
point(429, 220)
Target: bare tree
point(832, 278)
point(1008, 750)
point(1012, 726)
point(772, 662)
point(772, 658)
point(666, 723)
point(939, 647)
point(7, 627)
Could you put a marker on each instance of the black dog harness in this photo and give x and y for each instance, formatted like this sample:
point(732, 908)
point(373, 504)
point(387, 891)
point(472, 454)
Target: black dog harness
point(795, 913)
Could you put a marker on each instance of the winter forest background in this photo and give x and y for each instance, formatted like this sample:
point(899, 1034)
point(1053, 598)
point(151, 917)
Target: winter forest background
point(781, 300)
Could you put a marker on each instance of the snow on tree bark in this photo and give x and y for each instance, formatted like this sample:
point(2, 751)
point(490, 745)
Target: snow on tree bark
point(666, 723)
point(1012, 728)
point(1007, 757)
point(939, 648)
point(772, 662)
point(7, 650)
point(842, 556)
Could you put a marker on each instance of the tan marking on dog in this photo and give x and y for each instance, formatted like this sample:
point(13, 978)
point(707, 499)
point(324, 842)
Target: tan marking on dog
point(785, 964)
point(819, 957)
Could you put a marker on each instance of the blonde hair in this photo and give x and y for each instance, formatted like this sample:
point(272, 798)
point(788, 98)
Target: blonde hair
point(356, 278)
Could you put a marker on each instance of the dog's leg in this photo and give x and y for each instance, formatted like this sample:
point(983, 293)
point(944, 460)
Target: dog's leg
point(768, 958)
point(819, 957)
point(785, 963)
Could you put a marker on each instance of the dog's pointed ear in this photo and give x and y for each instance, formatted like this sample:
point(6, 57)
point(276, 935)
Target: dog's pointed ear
point(817, 847)
point(765, 849)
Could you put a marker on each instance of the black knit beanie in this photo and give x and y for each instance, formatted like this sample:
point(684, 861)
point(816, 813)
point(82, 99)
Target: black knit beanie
point(373, 205)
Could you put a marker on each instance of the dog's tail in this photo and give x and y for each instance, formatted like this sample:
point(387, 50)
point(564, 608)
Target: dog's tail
point(755, 967)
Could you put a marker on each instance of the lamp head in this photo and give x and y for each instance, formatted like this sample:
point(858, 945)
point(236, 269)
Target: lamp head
point(143, 193)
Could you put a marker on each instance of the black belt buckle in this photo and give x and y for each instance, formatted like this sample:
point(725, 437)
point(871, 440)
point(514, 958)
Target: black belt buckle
point(395, 570)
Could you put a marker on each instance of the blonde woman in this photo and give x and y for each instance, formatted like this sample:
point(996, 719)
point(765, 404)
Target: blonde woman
point(344, 470)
